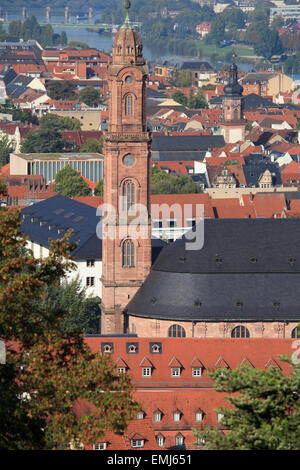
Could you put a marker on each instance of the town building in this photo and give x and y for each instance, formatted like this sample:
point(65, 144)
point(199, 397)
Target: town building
point(266, 84)
point(88, 165)
point(173, 387)
point(53, 218)
point(223, 274)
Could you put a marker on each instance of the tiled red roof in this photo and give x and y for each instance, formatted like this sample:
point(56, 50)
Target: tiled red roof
point(182, 201)
point(94, 201)
point(137, 429)
point(187, 394)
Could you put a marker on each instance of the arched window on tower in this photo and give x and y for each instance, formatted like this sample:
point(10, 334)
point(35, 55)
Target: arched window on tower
point(240, 332)
point(128, 105)
point(296, 332)
point(176, 331)
point(128, 254)
point(128, 194)
point(236, 114)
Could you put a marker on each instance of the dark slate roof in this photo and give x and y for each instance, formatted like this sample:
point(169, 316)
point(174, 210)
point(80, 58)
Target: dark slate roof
point(252, 102)
point(247, 270)
point(15, 91)
point(257, 77)
point(181, 155)
point(187, 143)
point(59, 213)
point(7, 75)
point(155, 94)
point(256, 165)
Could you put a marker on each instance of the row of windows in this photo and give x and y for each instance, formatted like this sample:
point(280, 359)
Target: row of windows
point(175, 371)
point(92, 170)
point(177, 331)
point(177, 415)
point(160, 440)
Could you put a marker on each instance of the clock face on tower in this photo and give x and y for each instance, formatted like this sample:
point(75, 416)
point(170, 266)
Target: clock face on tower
point(128, 160)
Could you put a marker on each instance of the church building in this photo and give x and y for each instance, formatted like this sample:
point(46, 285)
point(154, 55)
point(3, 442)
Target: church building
point(126, 244)
point(233, 124)
point(242, 283)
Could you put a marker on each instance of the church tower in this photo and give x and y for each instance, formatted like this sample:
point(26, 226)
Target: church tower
point(233, 124)
point(126, 223)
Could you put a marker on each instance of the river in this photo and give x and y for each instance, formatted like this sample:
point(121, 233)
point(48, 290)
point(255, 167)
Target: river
point(104, 42)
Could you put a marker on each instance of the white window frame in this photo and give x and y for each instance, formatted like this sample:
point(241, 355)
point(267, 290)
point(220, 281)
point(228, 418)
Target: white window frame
point(146, 371)
point(157, 417)
point(176, 416)
point(160, 441)
point(100, 446)
point(140, 415)
point(175, 372)
point(159, 223)
point(137, 443)
point(199, 416)
point(90, 281)
point(197, 371)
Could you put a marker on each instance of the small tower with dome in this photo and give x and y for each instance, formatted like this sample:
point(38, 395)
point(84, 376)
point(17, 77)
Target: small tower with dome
point(233, 123)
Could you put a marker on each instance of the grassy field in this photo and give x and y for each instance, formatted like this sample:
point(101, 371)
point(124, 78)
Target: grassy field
point(240, 50)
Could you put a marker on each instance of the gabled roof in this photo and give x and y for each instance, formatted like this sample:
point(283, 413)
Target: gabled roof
point(221, 363)
point(174, 362)
point(59, 214)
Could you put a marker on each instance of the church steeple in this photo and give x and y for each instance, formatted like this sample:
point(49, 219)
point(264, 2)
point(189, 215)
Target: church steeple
point(126, 256)
point(233, 123)
point(233, 88)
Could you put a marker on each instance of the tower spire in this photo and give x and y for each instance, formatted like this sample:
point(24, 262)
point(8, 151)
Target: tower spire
point(127, 23)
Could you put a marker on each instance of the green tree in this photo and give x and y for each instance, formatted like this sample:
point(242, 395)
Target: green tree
point(79, 313)
point(184, 78)
point(217, 32)
point(99, 188)
point(6, 147)
point(92, 146)
point(268, 44)
point(61, 90)
point(68, 182)
point(164, 183)
point(60, 123)
point(63, 38)
point(47, 372)
point(90, 96)
point(43, 140)
point(264, 410)
point(180, 97)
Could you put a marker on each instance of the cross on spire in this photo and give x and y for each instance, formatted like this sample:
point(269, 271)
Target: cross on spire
point(127, 5)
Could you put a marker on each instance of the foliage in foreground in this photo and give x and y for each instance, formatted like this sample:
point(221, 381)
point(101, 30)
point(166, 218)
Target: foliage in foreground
point(264, 411)
point(53, 389)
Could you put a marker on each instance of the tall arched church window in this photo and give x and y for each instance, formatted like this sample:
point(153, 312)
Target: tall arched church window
point(296, 332)
point(128, 105)
point(176, 331)
point(128, 194)
point(128, 254)
point(236, 114)
point(240, 332)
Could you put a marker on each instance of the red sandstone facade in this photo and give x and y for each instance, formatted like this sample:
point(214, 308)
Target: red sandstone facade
point(147, 327)
point(126, 230)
